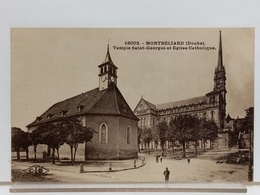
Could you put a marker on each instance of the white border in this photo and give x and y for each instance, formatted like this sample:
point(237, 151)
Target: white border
point(118, 13)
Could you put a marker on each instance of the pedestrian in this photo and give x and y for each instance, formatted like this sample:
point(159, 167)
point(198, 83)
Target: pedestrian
point(166, 174)
point(161, 159)
point(188, 160)
point(157, 158)
point(135, 163)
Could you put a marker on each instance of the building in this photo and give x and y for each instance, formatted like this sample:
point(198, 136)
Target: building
point(211, 105)
point(106, 111)
point(239, 129)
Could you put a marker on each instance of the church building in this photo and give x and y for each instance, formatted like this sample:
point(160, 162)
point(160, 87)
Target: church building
point(106, 111)
point(211, 105)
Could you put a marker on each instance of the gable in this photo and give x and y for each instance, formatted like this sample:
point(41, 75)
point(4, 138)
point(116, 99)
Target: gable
point(144, 105)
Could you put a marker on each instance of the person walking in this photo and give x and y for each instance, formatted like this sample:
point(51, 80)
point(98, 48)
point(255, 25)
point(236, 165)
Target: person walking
point(166, 174)
point(161, 159)
point(188, 160)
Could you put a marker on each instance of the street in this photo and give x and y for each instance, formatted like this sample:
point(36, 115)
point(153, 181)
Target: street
point(199, 170)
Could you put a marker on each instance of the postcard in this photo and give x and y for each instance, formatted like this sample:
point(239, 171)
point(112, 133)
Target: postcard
point(132, 105)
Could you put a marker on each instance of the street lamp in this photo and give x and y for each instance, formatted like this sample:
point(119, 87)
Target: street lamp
point(250, 125)
point(250, 165)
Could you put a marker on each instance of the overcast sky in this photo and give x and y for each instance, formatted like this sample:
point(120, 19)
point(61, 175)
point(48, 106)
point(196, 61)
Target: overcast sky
point(51, 65)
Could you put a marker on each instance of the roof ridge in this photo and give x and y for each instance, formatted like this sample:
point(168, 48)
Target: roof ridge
point(118, 91)
point(114, 88)
point(181, 100)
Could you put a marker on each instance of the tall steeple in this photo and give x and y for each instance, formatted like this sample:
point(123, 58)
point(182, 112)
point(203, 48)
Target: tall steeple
point(220, 83)
point(107, 72)
point(220, 57)
point(220, 74)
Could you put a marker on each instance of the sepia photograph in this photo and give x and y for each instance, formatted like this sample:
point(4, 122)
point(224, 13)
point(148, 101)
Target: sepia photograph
point(132, 105)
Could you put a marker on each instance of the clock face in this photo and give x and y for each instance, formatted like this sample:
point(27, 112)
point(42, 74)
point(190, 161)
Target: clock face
point(103, 78)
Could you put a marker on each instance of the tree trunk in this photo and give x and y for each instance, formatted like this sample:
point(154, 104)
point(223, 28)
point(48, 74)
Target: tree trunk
point(162, 145)
point(204, 145)
point(53, 155)
point(35, 150)
point(27, 153)
point(196, 149)
point(75, 151)
point(71, 155)
point(183, 150)
point(58, 154)
point(18, 154)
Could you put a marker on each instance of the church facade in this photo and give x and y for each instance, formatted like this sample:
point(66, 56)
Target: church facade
point(211, 105)
point(106, 111)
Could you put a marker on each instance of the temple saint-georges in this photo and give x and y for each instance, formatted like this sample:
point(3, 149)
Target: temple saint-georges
point(106, 111)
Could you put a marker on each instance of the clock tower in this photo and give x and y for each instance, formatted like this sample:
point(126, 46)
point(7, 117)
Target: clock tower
point(107, 72)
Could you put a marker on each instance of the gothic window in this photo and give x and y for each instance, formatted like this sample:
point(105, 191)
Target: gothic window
point(103, 133)
point(128, 131)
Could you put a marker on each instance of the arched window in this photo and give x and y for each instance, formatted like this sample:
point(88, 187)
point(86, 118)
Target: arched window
point(103, 133)
point(128, 132)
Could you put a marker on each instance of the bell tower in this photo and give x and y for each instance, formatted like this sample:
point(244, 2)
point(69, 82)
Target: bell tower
point(107, 72)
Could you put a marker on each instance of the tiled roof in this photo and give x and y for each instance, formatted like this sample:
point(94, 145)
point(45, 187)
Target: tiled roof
point(195, 100)
point(109, 101)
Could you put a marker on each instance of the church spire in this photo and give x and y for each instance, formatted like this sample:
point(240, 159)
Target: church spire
point(108, 57)
point(220, 66)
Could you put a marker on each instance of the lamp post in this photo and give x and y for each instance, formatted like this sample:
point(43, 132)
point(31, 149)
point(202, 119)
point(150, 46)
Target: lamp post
point(250, 169)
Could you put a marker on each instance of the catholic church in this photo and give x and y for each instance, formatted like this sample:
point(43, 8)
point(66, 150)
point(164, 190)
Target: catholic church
point(211, 105)
point(106, 111)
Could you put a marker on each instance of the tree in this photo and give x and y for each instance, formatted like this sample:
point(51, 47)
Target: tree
point(35, 138)
point(208, 131)
point(183, 127)
point(144, 135)
point(160, 133)
point(74, 133)
point(16, 140)
point(50, 135)
point(20, 140)
point(171, 133)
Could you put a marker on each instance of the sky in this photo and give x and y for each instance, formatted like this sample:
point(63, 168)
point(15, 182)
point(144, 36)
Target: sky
point(49, 65)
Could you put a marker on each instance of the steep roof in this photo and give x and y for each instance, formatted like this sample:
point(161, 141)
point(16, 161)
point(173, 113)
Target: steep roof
point(109, 102)
point(195, 100)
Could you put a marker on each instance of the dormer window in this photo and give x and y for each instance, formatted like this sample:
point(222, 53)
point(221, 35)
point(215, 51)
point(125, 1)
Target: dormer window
point(63, 112)
point(38, 118)
point(80, 108)
point(49, 116)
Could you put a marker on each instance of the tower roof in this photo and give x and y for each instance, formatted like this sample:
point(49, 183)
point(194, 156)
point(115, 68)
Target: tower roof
point(108, 57)
point(220, 66)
